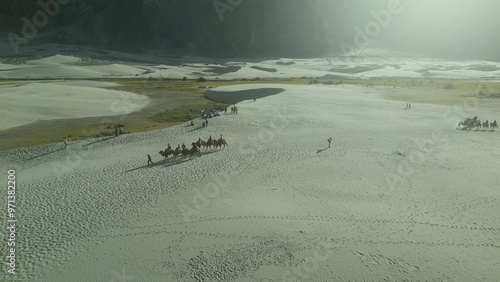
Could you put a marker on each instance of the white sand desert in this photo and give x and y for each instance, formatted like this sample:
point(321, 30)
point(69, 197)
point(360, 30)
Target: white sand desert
point(401, 195)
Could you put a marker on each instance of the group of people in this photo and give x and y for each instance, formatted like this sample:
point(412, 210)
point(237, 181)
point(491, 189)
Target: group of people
point(118, 130)
point(196, 146)
point(213, 113)
point(475, 123)
point(204, 114)
point(204, 124)
point(234, 109)
point(209, 114)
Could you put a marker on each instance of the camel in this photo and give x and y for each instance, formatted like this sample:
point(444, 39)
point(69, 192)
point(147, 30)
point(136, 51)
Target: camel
point(166, 153)
point(191, 152)
point(478, 124)
point(494, 125)
point(486, 125)
point(221, 142)
point(205, 145)
point(195, 150)
point(185, 152)
point(475, 123)
point(177, 151)
point(198, 143)
point(211, 142)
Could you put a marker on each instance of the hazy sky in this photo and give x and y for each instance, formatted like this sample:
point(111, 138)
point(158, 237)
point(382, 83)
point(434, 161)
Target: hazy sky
point(445, 28)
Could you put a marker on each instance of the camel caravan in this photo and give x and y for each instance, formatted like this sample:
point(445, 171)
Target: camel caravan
point(195, 150)
point(476, 124)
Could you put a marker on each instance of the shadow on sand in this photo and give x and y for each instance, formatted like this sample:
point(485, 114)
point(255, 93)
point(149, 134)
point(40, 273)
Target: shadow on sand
point(197, 128)
point(45, 154)
point(99, 141)
point(171, 162)
point(165, 163)
point(321, 150)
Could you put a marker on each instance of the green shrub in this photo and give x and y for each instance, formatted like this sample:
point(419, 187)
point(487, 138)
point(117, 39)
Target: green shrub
point(449, 86)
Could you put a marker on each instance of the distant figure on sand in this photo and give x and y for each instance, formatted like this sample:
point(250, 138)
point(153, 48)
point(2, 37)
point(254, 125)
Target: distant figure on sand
point(65, 143)
point(254, 99)
point(329, 141)
point(192, 123)
point(149, 160)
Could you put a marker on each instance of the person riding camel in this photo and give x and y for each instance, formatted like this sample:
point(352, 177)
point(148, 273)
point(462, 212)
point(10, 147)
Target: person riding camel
point(169, 147)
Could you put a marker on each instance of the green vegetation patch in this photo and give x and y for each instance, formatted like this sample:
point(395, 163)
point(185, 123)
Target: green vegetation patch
point(184, 113)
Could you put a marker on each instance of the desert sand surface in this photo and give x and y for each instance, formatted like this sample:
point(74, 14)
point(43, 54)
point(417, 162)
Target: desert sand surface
point(401, 195)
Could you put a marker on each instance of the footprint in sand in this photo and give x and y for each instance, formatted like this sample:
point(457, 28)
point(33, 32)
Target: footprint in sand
point(496, 243)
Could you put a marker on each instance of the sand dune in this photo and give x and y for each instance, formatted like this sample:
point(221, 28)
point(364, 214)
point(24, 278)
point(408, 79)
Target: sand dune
point(401, 195)
point(27, 102)
point(121, 65)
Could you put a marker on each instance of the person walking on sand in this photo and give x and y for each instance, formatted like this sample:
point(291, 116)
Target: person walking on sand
point(65, 143)
point(149, 160)
point(329, 141)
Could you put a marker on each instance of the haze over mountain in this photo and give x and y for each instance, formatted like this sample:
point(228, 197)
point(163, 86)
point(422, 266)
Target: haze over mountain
point(259, 28)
